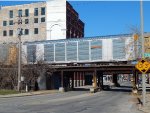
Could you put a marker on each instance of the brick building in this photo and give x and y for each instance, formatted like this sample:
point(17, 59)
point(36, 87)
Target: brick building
point(51, 20)
point(75, 27)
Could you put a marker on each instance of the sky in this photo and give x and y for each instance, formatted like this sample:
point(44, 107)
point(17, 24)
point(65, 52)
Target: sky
point(103, 18)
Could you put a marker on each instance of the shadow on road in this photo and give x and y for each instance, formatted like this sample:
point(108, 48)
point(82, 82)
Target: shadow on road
point(120, 89)
point(81, 89)
point(115, 89)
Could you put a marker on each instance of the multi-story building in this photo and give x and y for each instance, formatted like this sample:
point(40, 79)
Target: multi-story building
point(51, 20)
point(75, 27)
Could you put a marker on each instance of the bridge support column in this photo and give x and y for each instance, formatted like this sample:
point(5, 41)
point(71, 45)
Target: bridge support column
point(94, 84)
point(94, 79)
point(83, 81)
point(135, 86)
point(81, 78)
point(115, 80)
point(79, 74)
point(75, 79)
point(101, 81)
point(61, 89)
point(135, 79)
point(72, 79)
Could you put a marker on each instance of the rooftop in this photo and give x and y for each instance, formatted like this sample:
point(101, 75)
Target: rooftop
point(20, 5)
point(81, 39)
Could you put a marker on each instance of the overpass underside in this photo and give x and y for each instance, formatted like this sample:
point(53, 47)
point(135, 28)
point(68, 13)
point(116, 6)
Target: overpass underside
point(76, 76)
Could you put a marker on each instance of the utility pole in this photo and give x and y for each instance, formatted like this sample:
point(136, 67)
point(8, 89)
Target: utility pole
point(142, 39)
point(19, 51)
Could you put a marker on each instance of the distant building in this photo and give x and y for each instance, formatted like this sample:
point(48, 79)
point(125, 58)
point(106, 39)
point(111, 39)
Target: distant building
point(75, 27)
point(147, 45)
point(51, 20)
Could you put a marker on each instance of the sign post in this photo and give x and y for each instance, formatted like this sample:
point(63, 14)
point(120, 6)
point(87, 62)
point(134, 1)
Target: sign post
point(142, 39)
point(143, 66)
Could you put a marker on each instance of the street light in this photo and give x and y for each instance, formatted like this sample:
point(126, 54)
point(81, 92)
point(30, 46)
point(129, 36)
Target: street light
point(142, 39)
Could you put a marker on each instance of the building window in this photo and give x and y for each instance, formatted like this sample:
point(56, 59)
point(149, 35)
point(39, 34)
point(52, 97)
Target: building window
point(42, 10)
point(35, 30)
point(26, 32)
point(31, 53)
point(11, 22)
point(35, 11)
point(26, 21)
point(19, 21)
point(20, 12)
point(20, 31)
point(26, 12)
point(4, 23)
point(11, 13)
point(4, 33)
point(43, 19)
point(10, 32)
point(35, 20)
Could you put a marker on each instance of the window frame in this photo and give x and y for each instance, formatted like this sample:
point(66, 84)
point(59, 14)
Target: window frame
point(11, 22)
point(20, 21)
point(20, 12)
point(36, 31)
point(10, 32)
point(26, 12)
point(36, 20)
point(43, 10)
point(11, 14)
point(4, 22)
point(26, 33)
point(36, 13)
point(26, 21)
point(4, 33)
point(42, 18)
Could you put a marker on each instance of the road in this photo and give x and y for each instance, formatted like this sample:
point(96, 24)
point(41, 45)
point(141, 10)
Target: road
point(115, 101)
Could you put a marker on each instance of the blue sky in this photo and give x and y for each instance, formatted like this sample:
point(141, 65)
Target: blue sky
point(107, 18)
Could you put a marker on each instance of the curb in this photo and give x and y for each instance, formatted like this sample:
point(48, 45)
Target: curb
point(29, 94)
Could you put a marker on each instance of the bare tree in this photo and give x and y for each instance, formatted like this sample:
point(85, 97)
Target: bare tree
point(8, 69)
point(135, 43)
point(133, 29)
point(36, 67)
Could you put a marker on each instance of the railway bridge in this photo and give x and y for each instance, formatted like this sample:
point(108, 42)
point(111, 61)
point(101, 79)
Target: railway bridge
point(74, 59)
point(85, 60)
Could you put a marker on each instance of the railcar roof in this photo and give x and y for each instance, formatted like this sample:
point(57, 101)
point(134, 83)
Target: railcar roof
point(80, 39)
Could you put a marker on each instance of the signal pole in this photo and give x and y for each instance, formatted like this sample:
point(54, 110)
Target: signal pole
point(142, 39)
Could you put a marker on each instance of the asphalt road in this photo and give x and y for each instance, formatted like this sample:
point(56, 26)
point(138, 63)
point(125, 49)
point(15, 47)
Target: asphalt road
point(118, 100)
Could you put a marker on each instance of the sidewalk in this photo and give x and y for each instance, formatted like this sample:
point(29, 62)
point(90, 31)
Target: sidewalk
point(29, 93)
point(146, 108)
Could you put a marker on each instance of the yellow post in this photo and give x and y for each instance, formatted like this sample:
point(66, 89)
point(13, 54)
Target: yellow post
point(94, 80)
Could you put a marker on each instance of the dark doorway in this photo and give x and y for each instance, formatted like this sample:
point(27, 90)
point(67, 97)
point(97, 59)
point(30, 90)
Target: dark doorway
point(88, 79)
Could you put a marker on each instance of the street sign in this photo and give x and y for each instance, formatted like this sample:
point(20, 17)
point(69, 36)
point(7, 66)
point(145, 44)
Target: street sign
point(143, 66)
